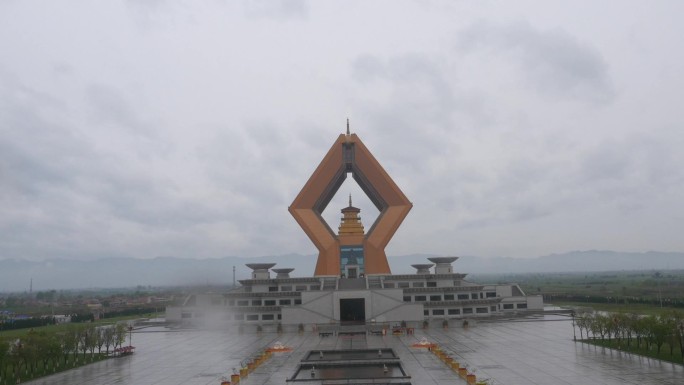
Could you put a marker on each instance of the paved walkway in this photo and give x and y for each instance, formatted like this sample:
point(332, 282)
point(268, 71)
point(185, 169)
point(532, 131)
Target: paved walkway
point(508, 352)
point(533, 352)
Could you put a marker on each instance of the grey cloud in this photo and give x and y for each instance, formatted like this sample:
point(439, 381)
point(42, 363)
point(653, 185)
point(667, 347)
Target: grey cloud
point(519, 191)
point(107, 106)
point(632, 173)
point(605, 162)
point(416, 83)
point(89, 164)
point(158, 13)
point(147, 3)
point(59, 194)
point(631, 170)
point(258, 160)
point(410, 97)
point(367, 68)
point(276, 9)
point(36, 150)
point(554, 62)
point(423, 112)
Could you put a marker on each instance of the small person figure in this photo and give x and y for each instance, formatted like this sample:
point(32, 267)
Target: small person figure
point(320, 354)
point(384, 368)
point(379, 352)
point(313, 371)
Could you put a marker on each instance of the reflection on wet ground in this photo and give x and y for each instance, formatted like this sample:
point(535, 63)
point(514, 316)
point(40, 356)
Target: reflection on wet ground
point(349, 371)
point(519, 351)
point(372, 365)
point(357, 354)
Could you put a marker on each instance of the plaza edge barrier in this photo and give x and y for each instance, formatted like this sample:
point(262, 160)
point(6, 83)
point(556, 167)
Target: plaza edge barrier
point(470, 378)
point(249, 365)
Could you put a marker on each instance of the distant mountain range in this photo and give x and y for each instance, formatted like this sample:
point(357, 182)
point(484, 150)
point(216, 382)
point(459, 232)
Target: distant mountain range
point(16, 275)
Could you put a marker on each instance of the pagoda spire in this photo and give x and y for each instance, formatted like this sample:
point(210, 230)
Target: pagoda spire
point(350, 204)
point(348, 127)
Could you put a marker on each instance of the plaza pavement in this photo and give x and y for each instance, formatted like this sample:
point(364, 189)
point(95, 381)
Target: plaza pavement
point(518, 351)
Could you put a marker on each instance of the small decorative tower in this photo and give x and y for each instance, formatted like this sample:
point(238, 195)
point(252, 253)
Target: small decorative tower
point(260, 270)
point(351, 221)
point(443, 264)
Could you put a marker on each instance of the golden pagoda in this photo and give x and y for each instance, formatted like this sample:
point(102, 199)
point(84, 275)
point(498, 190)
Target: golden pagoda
point(351, 221)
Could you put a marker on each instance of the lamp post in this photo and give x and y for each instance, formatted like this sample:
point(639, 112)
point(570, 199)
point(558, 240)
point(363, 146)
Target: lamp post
point(130, 335)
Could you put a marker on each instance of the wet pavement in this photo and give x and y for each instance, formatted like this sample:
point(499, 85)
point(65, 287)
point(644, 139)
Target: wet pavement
point(519, 351)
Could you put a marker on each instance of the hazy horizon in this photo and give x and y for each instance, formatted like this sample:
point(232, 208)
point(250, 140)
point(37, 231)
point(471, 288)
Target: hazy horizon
point(314, 255)
point(17, 275)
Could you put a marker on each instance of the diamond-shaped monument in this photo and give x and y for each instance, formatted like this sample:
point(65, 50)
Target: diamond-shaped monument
point(350, 252)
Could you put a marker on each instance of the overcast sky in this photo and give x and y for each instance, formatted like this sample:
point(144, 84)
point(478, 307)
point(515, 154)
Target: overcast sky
point(186, 128)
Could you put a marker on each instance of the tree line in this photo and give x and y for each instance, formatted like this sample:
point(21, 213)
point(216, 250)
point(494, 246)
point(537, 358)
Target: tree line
point(633, 331)
point(25, 323)
point(132, 311)
point(39, 353)
point(669, 302)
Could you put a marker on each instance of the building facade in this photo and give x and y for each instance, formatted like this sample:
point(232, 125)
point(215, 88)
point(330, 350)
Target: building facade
point(352, 281)
point(430, 294)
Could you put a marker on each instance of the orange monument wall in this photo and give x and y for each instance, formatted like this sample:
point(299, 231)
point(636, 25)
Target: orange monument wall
point(349, 155)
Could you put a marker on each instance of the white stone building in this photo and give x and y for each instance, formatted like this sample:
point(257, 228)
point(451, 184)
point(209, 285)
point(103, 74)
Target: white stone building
point(435, 294)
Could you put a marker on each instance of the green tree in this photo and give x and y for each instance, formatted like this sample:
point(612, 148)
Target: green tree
point(42, 346)
point(87, 340)
point(47, 296)
point(4, 357)
point(630, 329)
point(640, 327)
point(31, 349)
point(671, 320)
point(83, 341)
point(594, 324)
point(679, 331)
point(120, 334)
point(582, 324)
point(70, 343)
point(108, 337)
point(599, 325)
point(619, 325)
point(657, 330)
point(11, 302)
point(16, 357)
point(53, 350)
point(100, 338)
point(94, 339)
